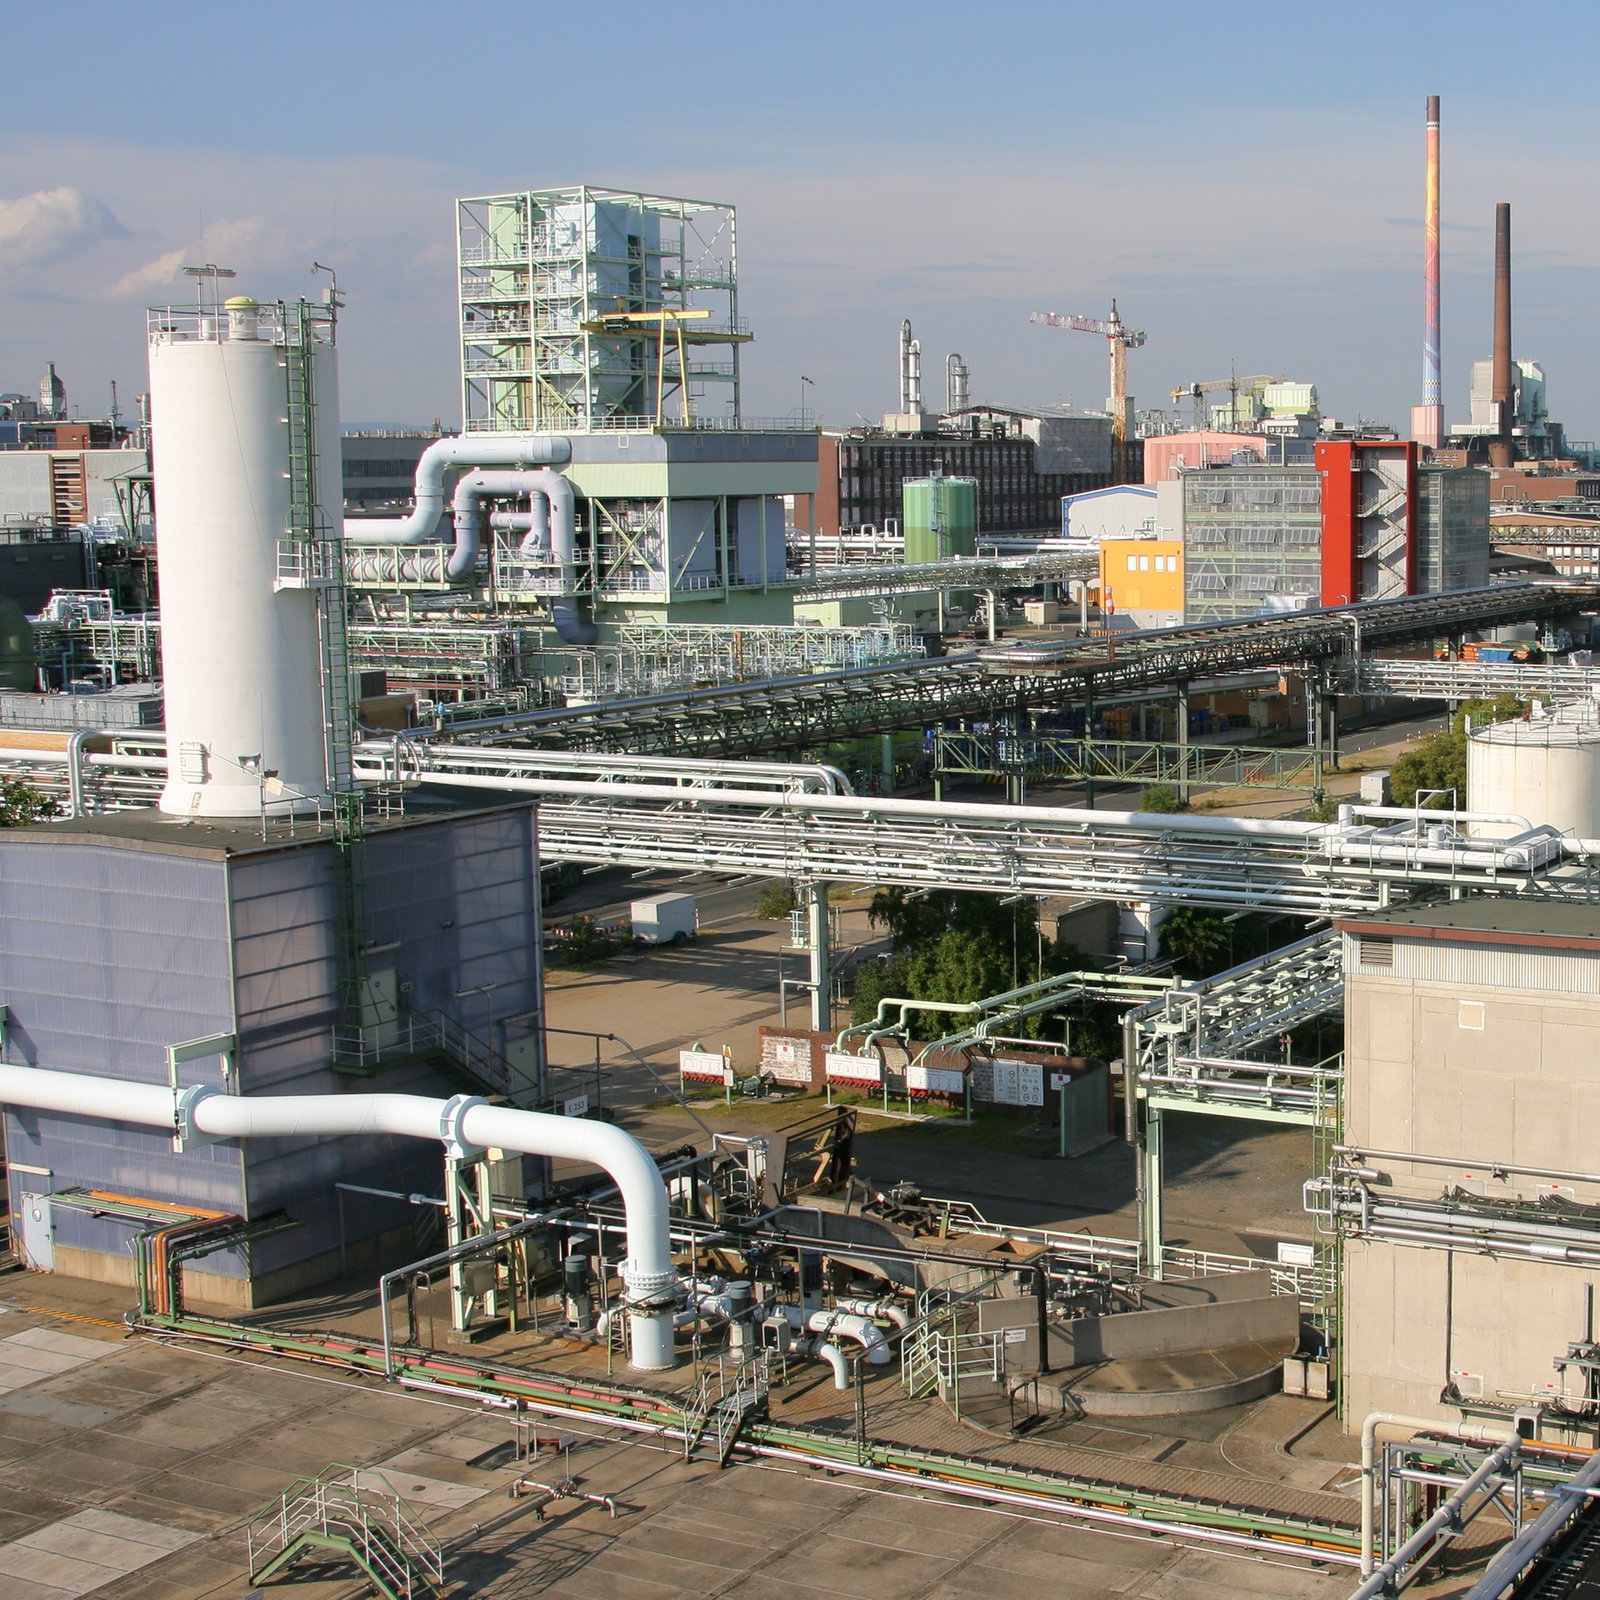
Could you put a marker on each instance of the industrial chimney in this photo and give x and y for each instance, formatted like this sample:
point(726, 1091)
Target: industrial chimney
point(1427, 420)
point(1504, 394)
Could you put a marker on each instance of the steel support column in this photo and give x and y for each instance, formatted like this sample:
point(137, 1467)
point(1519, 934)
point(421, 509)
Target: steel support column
point(1183, 742)
point(1152, 1181)
point(818, 934)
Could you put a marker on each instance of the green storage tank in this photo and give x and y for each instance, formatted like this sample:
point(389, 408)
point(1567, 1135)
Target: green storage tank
point(19, 665)
point(940, 518)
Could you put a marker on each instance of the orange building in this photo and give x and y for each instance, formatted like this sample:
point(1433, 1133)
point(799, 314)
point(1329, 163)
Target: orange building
point(1143, 579)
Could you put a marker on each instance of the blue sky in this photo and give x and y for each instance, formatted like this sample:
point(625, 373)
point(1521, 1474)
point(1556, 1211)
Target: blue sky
point(1245, 178)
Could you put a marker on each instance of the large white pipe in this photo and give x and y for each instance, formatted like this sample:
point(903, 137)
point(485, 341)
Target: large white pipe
point(546, 489)
point(887, 1308)
point(469, 450)
point(849, 1325)
point(465, 1124)
point(836, 1358)
point(552, 523)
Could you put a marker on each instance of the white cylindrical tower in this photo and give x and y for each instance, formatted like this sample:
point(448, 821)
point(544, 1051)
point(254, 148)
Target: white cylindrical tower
point(242, 656)
point(1546, 769)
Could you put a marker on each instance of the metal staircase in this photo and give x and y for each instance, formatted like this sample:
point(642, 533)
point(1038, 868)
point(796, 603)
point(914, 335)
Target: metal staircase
point(354, 1515)
point(728, 1395)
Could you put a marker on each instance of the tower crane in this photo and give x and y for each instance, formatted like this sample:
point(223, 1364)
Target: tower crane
point(1235, 387)
point(1121, 339)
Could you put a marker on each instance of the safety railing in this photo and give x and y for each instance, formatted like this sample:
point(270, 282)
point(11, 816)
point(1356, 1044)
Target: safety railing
point(728, 1391)
point(359, 1511)
point(308, 563)
point(420, 1032)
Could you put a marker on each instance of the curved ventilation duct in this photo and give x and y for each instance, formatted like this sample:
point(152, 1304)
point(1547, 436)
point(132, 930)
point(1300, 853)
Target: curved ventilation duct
point(466, 1125)
point(421, 525)
point(549, 524)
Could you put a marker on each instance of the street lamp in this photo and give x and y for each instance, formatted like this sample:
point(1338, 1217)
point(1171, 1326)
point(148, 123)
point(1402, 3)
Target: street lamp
point(805, 383)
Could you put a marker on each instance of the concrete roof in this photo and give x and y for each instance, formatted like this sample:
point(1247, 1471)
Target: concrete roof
point(147, 829)
point(1487, 919)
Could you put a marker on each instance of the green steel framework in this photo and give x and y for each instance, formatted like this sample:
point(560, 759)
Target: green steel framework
point(538, 268)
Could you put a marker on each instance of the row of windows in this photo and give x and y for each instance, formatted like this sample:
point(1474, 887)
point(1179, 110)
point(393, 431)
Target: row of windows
point(360, 468)
point(1142, 563)
point(1252, 583)
point(1257, 534)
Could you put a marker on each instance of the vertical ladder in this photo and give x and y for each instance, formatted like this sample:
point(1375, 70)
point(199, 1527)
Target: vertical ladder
point(316, 548)
point(312, 557)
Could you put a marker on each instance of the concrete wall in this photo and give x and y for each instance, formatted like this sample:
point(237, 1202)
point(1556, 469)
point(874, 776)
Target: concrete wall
point(1177, 1330)
point(1478, 1052)
point(25, 482)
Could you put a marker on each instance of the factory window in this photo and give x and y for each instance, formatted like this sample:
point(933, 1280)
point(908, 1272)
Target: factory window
point(1133, 563)
point(1144, 563)
point(381, 469)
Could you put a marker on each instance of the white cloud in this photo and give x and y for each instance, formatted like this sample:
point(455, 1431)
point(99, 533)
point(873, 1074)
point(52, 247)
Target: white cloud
point(152, 277)
point(50, 223)
point(242, 243)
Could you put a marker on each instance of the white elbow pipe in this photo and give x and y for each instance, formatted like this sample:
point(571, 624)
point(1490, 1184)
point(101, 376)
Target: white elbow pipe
point(465, 1125)
point(886, 1309)
point(847, 1325)
point(470, 450)
point(533, 525)
point(836, 1358)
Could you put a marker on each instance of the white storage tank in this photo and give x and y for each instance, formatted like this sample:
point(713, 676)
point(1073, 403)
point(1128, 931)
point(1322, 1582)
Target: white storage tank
point(242, 657)
point(1546, 769)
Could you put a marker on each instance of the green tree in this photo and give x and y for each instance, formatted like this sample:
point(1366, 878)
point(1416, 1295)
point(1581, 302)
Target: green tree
point(875, 981)
point(1439, 762)
point(1203, 942)
point(21, 804)
point(959, 947)
point(776, 900)
point(1161, 797)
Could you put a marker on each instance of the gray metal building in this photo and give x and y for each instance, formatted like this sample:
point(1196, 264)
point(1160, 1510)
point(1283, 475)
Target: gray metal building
point(126, 934)
point(380, 467)
point(1253, 537)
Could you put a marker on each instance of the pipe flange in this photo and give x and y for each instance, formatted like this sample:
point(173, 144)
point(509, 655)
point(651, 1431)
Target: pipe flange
point(185, 1136)
point(451, 1116)
point(650, 1291)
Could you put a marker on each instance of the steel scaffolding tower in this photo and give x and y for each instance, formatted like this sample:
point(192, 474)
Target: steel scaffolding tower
point(586, 309)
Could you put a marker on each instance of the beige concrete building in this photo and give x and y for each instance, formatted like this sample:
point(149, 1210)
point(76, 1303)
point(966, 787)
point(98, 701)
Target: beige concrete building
point(1466, 1193)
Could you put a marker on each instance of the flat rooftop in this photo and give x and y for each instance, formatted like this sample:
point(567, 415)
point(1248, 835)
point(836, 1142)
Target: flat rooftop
point(1512, 918)
point(220, 837)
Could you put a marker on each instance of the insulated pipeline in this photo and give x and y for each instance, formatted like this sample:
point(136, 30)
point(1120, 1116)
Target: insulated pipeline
point(465, 1124)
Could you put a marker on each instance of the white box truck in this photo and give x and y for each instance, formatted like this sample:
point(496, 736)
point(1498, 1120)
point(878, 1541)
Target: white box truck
point(664, 919)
